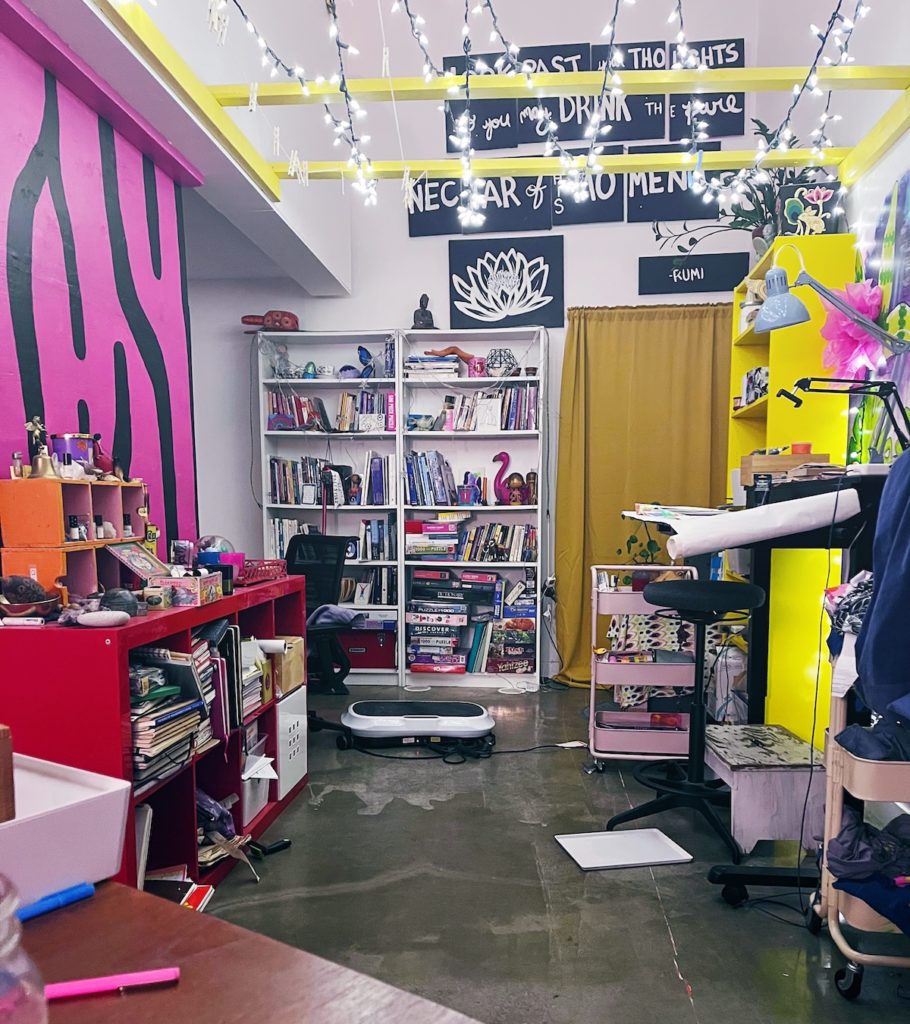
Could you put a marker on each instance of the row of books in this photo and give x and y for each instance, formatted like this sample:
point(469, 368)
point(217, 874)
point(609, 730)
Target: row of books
point(281, 531)
point(378, 539)
point(473, 622)
point(378, 586)
point(290, 411)
point(430, 480)
point(435, 540)
point(366, 411)
point(377, 484)
point(430, 367)
point(519, 406)
point(295, 481)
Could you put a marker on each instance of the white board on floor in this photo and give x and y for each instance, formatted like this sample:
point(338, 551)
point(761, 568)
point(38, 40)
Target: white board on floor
point(633, 848)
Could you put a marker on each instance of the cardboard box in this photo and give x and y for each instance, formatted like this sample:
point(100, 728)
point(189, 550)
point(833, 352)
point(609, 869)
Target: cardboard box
point(7, 790)
point(289, 669)
point(189, 591)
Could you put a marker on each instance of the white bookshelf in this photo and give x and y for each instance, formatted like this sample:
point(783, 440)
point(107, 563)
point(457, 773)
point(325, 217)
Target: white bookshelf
point(464, 450)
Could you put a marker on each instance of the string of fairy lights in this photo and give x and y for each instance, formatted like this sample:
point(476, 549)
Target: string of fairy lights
point(836, 35)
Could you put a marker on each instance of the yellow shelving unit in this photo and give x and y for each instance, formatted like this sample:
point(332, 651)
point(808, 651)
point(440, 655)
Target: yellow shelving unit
point(796, 655)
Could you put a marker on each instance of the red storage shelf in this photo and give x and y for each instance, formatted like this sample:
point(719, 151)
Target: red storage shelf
point(64, 692)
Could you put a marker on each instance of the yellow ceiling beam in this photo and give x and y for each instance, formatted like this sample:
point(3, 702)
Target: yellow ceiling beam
point(501, 167)
point(141, 33)
point(892, 126)
point(574, 83)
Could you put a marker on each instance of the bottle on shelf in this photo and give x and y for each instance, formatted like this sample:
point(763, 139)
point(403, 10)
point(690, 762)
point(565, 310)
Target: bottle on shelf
point(127, 525)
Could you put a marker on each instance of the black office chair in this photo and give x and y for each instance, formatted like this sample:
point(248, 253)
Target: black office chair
point(682, 783)
point(321, 560)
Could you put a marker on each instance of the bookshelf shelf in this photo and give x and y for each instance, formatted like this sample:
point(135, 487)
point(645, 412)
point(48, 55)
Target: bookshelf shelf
point(459, 435)
point(97, 662)
point(460, 451)
point(335, 435)
point(351, 383)
point(467, 382)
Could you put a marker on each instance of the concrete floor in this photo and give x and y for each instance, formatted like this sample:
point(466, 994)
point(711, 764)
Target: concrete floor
point(446, 881)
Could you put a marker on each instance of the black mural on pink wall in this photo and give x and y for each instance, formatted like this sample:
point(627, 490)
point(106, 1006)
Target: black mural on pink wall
point(94, 319)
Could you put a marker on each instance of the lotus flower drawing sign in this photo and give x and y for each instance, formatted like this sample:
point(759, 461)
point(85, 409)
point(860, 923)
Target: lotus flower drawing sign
point(506, 283)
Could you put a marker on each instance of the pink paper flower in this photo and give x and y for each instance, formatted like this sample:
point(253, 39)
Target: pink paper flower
point(819, 195)
point(850, 351)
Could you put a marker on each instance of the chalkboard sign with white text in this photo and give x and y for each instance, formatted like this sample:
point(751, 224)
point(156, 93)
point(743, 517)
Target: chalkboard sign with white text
point(665, 195)
point(725, 112)
point(698, 272)
point(634, 117)
point(606, 198)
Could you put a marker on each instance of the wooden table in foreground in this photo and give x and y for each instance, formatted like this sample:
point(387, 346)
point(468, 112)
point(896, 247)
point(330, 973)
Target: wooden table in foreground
point(227, 974)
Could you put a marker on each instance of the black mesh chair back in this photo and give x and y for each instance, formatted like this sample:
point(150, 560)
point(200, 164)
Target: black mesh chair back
point(321, 560)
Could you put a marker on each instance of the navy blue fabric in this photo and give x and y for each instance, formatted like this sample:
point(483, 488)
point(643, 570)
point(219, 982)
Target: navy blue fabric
point(883, 896)
point(883, 646)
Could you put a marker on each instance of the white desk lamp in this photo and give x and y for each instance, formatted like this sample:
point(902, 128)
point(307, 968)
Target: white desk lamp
point(782, 308)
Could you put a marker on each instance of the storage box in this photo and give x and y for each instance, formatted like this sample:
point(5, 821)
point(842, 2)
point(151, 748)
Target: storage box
point(255, 797)
point(752, 464)
point(69, 827)
point(370, 648)
point(289, 669)
point(292, 739)
point(189, 591)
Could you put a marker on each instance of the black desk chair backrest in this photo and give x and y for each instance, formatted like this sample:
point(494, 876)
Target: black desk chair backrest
point(321, 560)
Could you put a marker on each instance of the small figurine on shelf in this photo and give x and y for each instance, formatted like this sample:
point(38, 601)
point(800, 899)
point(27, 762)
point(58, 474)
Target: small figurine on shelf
point(354, 493)
point(518, 493)
point(531, 488)
point(37, 436)
point(500, 487)
point(423, 318)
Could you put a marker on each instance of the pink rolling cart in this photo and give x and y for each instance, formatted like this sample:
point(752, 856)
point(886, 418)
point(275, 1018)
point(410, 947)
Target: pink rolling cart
point(633, 735)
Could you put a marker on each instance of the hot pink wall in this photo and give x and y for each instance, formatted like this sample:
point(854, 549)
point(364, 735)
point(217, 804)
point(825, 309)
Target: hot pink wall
point(94, 330)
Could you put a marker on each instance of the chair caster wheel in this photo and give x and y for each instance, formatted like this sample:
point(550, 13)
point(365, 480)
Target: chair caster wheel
point(849, 981)
point(813, 921)
point(344, 742)
point(735, 895)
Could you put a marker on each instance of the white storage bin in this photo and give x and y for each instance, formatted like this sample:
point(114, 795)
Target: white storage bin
point(292, 740)
point(69, 827)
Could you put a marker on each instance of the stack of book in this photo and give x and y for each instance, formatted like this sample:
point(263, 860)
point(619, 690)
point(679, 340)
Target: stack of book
point(430, 479)
point(205, 666)
point(367, 411)
point(430, 367)
point(378, 539)
point(377, 486)
point(251, 690)
point(498, 542)
point(163, 720)
point(431, 539)
point(290, 411)
point(474, 622)
point(295, 481)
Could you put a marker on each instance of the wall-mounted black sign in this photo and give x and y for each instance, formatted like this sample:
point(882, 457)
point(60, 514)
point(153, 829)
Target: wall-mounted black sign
point(698, 272)
point(506, 282)
point(605, 202)
point(513, 204)
point(725, 112)
point(665, 195)
point(494, 121)
point(634, 117)
point(570, 113)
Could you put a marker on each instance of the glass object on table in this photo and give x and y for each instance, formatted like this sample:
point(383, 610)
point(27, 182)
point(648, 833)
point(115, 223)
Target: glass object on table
point(21, 990)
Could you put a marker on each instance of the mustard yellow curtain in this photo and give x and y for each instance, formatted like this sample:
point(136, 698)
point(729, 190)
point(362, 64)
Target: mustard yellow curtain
point(643, 417)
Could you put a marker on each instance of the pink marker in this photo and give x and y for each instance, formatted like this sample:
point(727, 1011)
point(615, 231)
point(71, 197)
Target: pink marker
point(112, 983)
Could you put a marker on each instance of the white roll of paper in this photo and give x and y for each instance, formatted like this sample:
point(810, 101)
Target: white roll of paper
point(273, 646)
point(700, 534)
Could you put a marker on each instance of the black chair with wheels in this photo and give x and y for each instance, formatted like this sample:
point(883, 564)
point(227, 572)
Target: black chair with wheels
point(321, 560)
point(682, 783)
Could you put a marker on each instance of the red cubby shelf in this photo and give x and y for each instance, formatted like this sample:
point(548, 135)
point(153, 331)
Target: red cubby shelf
point(64, 693)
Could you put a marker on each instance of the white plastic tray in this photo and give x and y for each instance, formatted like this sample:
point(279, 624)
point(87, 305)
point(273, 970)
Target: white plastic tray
point(632, 848)
point(69, 827)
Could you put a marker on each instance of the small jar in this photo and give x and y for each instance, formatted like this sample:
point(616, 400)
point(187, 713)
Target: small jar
point(72, 528)
point(21, 990)
point(99, 528)
point(127, 525)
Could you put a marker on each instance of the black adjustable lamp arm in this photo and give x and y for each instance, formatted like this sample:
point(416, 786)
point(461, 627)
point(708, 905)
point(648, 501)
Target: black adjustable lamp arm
point(886, 390)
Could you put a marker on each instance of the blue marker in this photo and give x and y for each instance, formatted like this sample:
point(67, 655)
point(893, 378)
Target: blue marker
point(56, 900)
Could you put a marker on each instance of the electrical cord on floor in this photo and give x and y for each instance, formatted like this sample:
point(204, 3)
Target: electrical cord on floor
point(460, 752)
